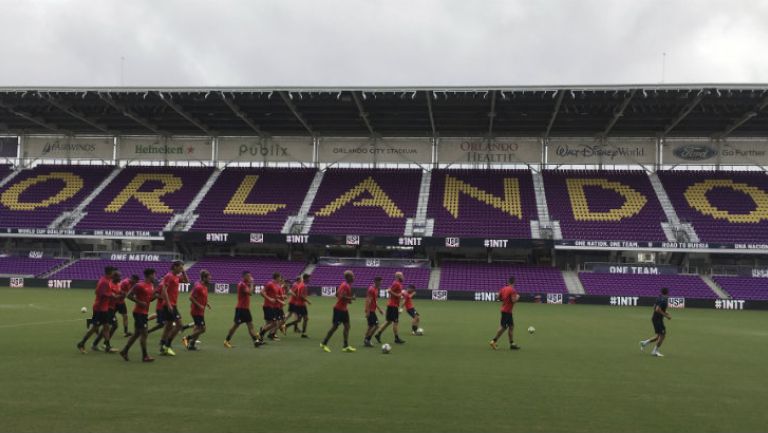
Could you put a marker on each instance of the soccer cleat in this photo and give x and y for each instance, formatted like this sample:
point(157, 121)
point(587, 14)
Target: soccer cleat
point(110, 350)
point(658, 354)
point(95, 349)
point(493, 345)
point(169, 351)
point(325, 348)
point(148, 359)
point(514, 346)
point(349, 349)
point(274, 338)
point(124, 355)
point(283, 329)
point(304, 336)
point(127, 334)
point(228, 345)
point(81, 348)
point(192, 348)
point(367, 343)
point(185, 341)
point(642, 345)
point(378, 338)
point(399, 341)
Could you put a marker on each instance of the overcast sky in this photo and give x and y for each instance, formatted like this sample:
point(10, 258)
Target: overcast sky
point(381, 42)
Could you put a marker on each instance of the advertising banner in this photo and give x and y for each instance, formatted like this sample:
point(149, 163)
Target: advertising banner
point(500, 150)
point(9, 147)
point(369, 150)
point(590, 151)
point(164, 149)
point(273, 149)
point(68, 147)
point(703, 151)
point(634, 269)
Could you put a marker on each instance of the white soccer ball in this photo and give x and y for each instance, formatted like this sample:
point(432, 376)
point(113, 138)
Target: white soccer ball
point(531, 329)
point(386, 348)
point(420, 331)
point(83, 310)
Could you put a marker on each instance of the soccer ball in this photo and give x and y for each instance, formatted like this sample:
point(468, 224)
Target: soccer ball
point(83, 310)
point(420, 331)
point(531, 329)
point(386, 348)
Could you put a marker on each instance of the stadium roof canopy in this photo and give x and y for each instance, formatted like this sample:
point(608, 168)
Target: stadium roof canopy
point(716, 110)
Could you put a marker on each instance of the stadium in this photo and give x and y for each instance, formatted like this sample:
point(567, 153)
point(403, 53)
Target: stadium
point(593, 197)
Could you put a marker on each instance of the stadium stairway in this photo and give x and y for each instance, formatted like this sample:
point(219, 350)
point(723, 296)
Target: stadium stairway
point(185, 220)
point(68, 220)
point(673, 221)
point(419, 225)
point(721, 293)
point(301, 219)
point(573, 283)
point(309, 269)
point(542, 210)
point(57, 269)
point(10, 176)
point(434, 278)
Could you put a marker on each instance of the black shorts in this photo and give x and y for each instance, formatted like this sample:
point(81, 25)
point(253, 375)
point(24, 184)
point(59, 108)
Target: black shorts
point(120, 308)
point(199, 321)
point(393, 314)
point(301, 310)
point(506, 320)
point(292, 308)
point(269, 314)
point(373, 319)
point(112, 317)
point(658, 326)
point(412, 312)
point(279, 314)
point(340, 317)
point(140, 322)
point(159, 319)
point(100, 318)
point(243, 315)
point(171, 315)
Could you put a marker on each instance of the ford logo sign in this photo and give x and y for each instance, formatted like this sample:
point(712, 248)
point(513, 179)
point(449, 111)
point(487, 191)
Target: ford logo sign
point(694, 152)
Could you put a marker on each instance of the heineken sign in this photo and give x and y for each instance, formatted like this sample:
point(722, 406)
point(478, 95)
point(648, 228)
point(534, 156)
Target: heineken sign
point(169, 149)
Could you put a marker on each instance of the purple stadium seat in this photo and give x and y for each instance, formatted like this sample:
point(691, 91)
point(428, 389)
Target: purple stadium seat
point(484, 277)
point(107, 211)
point(686, 286)
point(93, 269)
point(481, 209)
point(334, 275)
point(230, 269)
point(58, 189)
point(229, 204)
point(601, 218)
point(719, 204)
point(755, 289)
point(345, 202)
point(24, 266)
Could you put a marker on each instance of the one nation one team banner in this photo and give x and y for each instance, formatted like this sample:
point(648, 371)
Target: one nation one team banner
point(66, 147)
point(272, 149)
point(165, 148)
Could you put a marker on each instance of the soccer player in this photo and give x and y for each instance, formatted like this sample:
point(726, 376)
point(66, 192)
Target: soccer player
point(169, 290)
point(159, 307)
point(344, 296)
point(125, 286)
point(279, 311)
point(198, 303)
point(118, 295)
point(142, 294)
point(243, 311)
point(271, 304)
point(395, 293)
point(408, 304)
point(508, 297)
point(659, 313)
point(100, 320)
point(298, 305)
point(370, 310)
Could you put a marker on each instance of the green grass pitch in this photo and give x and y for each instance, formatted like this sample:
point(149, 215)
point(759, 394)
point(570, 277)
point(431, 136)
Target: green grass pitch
point(582, 371)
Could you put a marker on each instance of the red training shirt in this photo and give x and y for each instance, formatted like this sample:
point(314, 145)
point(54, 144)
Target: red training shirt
point(243, 300)
point(372, 294)
point(103, 294)
point(270, 290)
point(171, 283)
point(199, 294)
point(341, 303)
point(125, 287)
point(396, 287)
point(507, 295)
point(143, 292)
point(408, 300)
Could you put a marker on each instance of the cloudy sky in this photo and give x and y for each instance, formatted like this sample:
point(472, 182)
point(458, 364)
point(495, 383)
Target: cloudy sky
point(381, 42)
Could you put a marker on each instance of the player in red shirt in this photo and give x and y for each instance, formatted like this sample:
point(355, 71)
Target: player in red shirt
point(408, 304)
point(395, 293)
point(169, 291)
point(100, 321)
point(142, 294)
point(344, 296)
point(271, 304)
point(198, 303)
point(297, 305)
point(118, 296)
point(243, 311)
point(508, 297)
point(125, 286)
point(279, 311)
point(370, 310)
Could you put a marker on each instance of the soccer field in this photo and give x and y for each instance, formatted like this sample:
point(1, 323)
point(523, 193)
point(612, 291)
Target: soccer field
point(581, 371)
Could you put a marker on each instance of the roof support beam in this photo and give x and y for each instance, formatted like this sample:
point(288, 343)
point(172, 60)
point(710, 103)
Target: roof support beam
point(107, 97)
point(177, 108)
point(492, 113)
point(684, 112)
point(618, 112)
point(239, 113)
point(363, 113)
point(32, 118)
point(556, 110)
point(744, 118)
point(81, 117)
point(295, 111)
point(429, 95)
